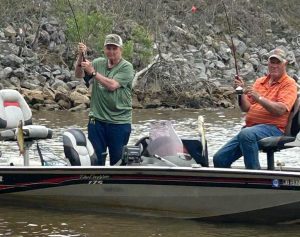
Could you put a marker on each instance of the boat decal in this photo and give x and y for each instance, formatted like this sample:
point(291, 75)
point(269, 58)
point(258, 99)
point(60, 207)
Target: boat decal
point(94, 177)
point(275, 183)
point(24, 182)
point(56, 180)
point(291, 182)
point(10, 184)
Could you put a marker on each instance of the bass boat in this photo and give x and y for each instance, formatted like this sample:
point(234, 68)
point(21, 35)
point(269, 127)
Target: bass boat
point(161, 175)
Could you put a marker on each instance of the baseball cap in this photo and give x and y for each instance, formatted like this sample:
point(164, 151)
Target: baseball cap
point(113, 39)
point(279, 54)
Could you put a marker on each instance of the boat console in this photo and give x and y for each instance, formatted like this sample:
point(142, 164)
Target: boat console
point(163, 147)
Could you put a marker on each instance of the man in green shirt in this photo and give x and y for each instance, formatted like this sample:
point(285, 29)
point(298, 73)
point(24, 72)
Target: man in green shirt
point(111, 100)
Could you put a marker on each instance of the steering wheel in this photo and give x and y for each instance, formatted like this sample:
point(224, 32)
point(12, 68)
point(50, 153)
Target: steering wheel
point(144, 141)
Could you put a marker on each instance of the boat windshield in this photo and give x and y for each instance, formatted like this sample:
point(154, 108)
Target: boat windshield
point(164, 141)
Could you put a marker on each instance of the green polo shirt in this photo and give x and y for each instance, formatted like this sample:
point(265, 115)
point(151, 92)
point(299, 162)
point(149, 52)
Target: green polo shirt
point(113, 106)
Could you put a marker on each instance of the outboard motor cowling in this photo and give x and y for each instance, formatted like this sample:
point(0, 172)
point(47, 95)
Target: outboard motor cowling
point(78, 149)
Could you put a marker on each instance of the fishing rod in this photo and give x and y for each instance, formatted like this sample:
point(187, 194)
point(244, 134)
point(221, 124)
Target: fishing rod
point(239, 89)
point(231, 38)
point(77, 28)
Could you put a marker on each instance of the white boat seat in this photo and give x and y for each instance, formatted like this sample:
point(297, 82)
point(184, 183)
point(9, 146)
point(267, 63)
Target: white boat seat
point(78, 149)
point(14, 108)
point(270, 145)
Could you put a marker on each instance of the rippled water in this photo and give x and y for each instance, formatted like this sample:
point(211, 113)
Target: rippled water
point(32, 223)
point(220, 126)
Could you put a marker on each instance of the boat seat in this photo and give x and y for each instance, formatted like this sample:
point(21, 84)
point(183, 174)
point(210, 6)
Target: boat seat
point(270, 145)
point(78, 149)
point(14, 108)
point(194, 147)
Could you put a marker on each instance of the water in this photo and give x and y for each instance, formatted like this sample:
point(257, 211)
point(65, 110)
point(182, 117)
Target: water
point(220, 125)
point(21, 222)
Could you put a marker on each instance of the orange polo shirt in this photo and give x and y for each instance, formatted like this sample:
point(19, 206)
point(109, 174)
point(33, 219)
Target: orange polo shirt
point(284, 91)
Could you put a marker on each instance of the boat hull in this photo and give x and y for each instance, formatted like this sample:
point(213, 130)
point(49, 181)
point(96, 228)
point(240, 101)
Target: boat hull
point(202, 193)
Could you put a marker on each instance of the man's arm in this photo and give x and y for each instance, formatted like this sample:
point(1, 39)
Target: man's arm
point(276, 108)
point(123, 77)
point(109, 83)
point(245, 104)
point(283, 103)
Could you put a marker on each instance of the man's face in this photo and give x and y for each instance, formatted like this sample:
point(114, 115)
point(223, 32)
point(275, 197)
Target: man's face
point(276, 68)
point(112, 52)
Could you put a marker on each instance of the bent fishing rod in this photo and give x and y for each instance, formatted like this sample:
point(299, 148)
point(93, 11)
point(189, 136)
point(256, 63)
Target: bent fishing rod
point(239, 90)
point(77, 28)
point(231, 39)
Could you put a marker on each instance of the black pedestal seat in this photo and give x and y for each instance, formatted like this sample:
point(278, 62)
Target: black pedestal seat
point(270, 145)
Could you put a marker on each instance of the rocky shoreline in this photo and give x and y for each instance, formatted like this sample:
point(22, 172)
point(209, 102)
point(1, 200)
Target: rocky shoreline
point(189, 71)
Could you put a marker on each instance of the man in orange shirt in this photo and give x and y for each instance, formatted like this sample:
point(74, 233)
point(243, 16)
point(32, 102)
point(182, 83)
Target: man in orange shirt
point(268, 104)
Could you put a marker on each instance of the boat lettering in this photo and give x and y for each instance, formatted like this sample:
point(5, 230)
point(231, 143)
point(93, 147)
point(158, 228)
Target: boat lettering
point(94, 178)
point(96, 182)
point(291, 182)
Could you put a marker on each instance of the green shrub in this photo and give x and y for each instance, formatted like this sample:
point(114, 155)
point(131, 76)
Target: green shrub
point(128, 50)
point(143, 38)
point(92, 28)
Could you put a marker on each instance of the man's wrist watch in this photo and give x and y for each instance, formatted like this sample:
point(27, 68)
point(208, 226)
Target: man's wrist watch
point(94, 74)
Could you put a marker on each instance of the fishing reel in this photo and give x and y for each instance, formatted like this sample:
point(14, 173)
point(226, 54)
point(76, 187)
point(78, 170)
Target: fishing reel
point(239, 90)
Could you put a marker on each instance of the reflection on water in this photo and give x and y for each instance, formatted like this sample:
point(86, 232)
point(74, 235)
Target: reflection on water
point(23, 222)
point(220, 125)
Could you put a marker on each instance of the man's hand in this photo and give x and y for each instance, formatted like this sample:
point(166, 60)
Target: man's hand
point(252, 93)
point(82, 48)
point(238, 81)
point(87, 67)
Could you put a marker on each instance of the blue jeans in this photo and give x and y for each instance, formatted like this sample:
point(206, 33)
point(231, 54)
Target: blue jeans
point(245, 144)
point(107, 135)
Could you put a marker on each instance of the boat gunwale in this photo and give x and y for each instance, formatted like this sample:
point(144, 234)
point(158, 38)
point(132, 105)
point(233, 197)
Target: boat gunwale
point(97, 170)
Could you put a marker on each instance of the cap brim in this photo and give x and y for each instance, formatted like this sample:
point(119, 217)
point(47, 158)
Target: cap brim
point(113, 44)
point(278, 57)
